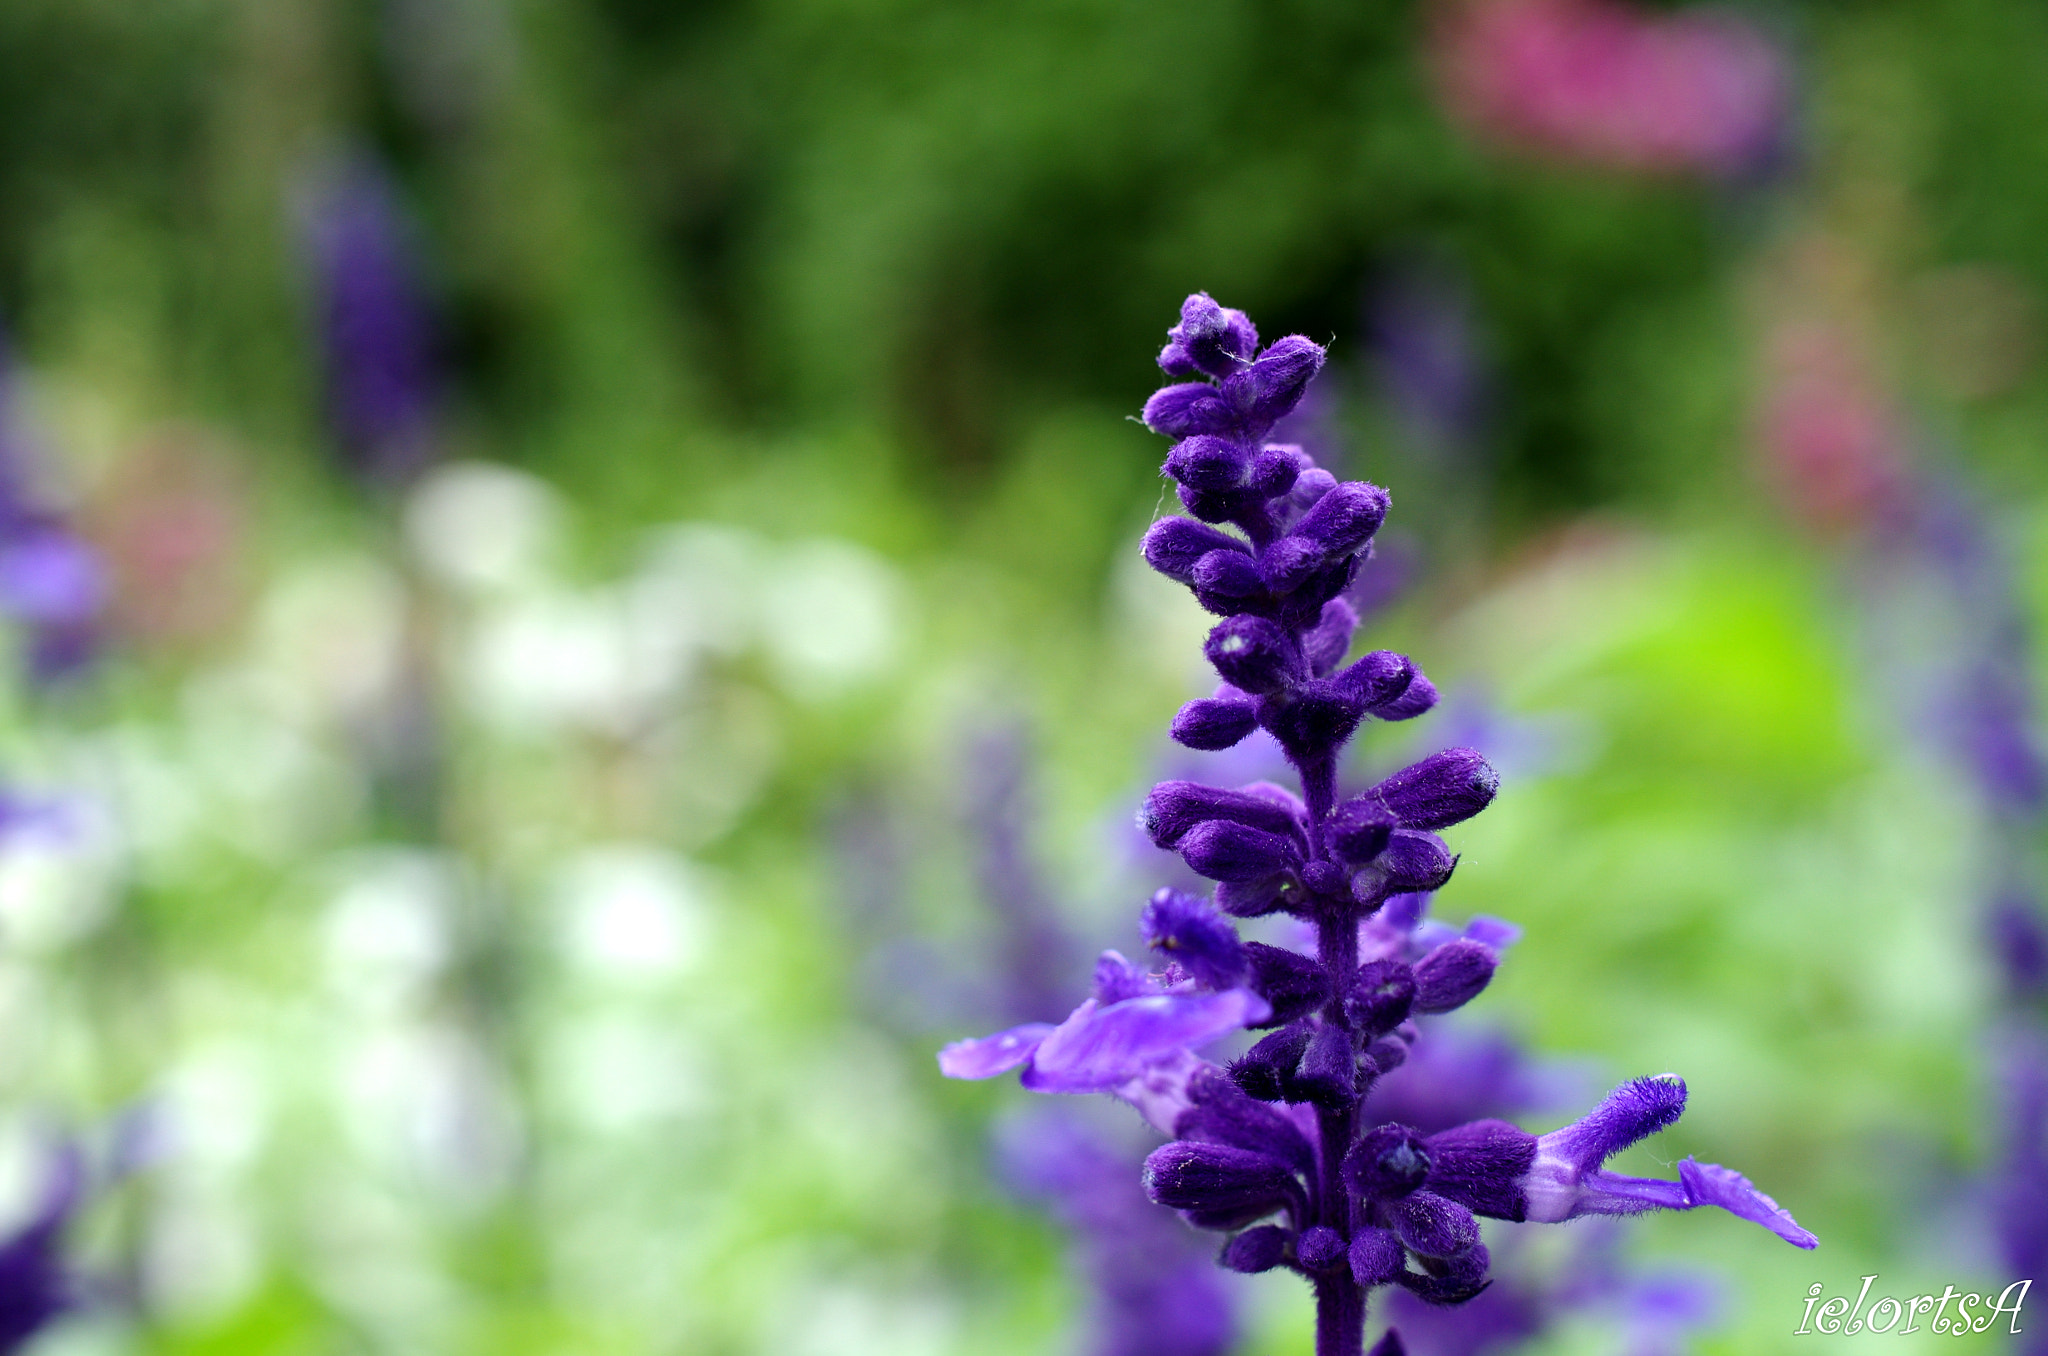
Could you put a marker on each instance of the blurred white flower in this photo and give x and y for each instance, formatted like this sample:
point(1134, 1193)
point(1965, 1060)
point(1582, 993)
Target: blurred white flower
point(54, 890)
point(330, 639)
point(386, 932)
point(479, 527)
point(423, 1103)
point(832, 616)
point(698, 589)
point(619, 1072)
point(631, 912)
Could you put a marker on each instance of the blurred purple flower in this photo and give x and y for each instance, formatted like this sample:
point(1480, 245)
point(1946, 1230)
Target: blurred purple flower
point(376, 330)
point(1426, 354)
point(1157, 1291)
point(1034, 948)
point(52, 583)
point(37, 1285)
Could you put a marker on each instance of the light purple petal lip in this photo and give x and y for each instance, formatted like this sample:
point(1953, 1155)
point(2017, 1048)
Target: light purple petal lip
point(1712, 1184)
point(987, 1056)
point(1100, 1047)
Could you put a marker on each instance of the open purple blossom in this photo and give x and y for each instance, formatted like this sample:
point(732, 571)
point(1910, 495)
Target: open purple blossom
point(1274, 1150)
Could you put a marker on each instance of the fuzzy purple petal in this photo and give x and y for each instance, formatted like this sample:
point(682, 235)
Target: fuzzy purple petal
point(987, 1056)
point(1099, 1048)
point(1712, 1184)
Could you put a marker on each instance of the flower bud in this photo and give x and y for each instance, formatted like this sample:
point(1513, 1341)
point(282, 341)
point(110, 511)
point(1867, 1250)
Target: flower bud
point(1211, 723)
point(1344, 520)
point(1419, 696)
point(1219, 1112)
point(1378, 678)
point(1257, 898)
point(1173, 808)
point(1206, 462)
point(1387, 1163)
point(1380, 998)
point(1173, 546)
point(1319, 1248)
point(1411, 863)
point(1274, 470)
point(1325, 646)
point(1273, 384)
point(1293, 983)
point(1386, 1054)
point(1222, 850)
point(1479, 1165)
point(1431, 1225)
point(1257, 1249)
point(1186, 409)
point(1218, 1181)
point(1254, 654)
point(1360, 828)
point(1328, 1074)
point(1453, 975)
point(1224, 579)
point(1210, 338)
point(1443, 789)
point(1266, 1071)
point(1377, 1258)
point(1312, 719)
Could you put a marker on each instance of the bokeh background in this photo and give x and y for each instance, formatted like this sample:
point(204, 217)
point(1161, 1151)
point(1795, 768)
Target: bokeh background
point(560, 555)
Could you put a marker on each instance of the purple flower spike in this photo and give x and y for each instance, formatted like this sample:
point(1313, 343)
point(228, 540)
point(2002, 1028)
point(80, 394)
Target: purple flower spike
point(1294, 1127)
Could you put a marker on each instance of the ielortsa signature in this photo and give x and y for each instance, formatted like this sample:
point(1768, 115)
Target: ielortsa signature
point(1887, 1313)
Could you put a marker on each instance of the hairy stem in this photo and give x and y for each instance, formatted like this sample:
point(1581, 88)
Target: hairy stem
point(1340, 1315)
point(1340, 1300)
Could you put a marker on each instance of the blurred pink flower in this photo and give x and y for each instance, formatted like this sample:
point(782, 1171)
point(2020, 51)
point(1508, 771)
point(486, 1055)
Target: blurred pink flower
point(1831, 438)
point(1601, 83)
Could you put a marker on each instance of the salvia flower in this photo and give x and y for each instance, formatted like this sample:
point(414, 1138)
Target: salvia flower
point(1275, 1150)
